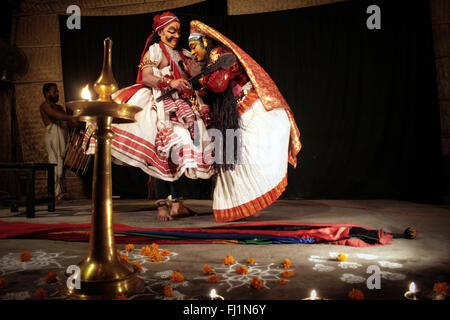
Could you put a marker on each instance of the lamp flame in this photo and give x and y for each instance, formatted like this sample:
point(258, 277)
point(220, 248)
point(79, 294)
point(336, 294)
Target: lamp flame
point(313, 295)
point(85, 93)
point(213, 294)
point(412, 288)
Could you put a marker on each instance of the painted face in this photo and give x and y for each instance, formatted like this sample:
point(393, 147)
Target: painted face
point(198, 49)
point(170, 34)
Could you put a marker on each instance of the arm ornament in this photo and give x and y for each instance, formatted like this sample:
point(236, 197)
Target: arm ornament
point(147, 63)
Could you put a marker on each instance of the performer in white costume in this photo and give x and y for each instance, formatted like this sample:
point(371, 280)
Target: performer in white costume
point(244, 98)
point(169, 138)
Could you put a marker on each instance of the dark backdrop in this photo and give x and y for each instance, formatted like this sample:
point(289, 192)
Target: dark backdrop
point(365, 100)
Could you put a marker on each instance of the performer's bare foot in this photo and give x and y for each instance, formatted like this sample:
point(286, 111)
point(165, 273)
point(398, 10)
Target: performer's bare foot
point(179, 210)
point(163, 211)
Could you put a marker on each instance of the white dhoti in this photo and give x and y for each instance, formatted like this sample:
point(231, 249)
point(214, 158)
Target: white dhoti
point(55, 142)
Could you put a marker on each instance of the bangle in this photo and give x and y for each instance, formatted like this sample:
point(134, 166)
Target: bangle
point(164, 82)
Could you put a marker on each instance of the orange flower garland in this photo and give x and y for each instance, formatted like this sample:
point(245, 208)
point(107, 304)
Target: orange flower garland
point(250, 261)
point(25, 256)
point(129, 247)
point(40, 294)
point(356, 294)
point(256, 283)
point(168, 291)
point(228, 260)
point(137, 265)
point(287, 263)
point(442, 288)
point(242, 270)
point(215, 278)
point(50, 277)
point(176, 277)
point(207, 269)
point(342, 257)
point(287, 274)
point(3, 283)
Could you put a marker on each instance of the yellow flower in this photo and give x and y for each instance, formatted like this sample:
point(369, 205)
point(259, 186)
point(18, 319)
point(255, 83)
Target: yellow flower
point(145, 251)
point(250, 261)
point(228, 260)
point(25, 256)
point(176, 277)
point(214, 278)
point(287, 274)
point(287, 263)
point(165, 253)
point(40, 294)
point(50, 277)
point(154, 246)
point(442, 288)
point(207, 269)
point(137, 265)
point(129, 247)
point(356, 294)
point(242, 270)
point(342, 257)
point(168, 291)
point(256, 283)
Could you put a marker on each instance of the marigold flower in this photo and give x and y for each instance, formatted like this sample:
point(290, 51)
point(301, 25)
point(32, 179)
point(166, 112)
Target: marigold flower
point(207, 269)
point(3, 283)
point(124, 257)
point(154, 246)
point(250, 261)
point(40, 294)
point(168, 291)
point(137, 265)
point(282, 281)
point(25, 256)
point(129, 247)
point(242, 270)
point(165, 253)
point(145, 251)
point(256, 283)
point(287, 273)
point(118, 251)
point(228, 260)
point(356, 294)
point(155, 256)
point(120, 297)
point(50, 277)
point(287, 263)
point(441, 288)
point(176, 277)
point(342, 257)
point(214, 278)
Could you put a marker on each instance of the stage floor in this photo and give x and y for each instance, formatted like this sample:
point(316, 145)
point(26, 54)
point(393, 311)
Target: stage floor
point(424, 260)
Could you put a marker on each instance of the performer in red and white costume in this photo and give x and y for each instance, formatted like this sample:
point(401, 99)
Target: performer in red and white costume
point(161, 141)
point(244, 97)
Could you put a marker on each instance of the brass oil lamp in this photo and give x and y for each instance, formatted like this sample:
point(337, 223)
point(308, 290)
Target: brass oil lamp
point(103, 274)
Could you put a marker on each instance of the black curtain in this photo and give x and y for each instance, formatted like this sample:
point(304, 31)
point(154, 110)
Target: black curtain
point(365, 100)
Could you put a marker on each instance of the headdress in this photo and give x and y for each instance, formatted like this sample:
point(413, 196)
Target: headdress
point(159, 22)
point(266, 89)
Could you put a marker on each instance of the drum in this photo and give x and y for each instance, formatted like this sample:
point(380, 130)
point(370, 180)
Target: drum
point(76, 158)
